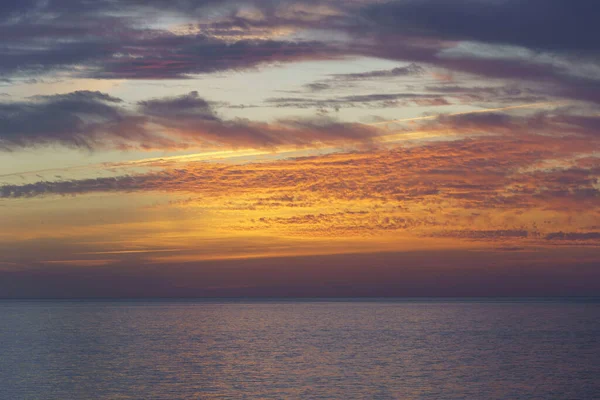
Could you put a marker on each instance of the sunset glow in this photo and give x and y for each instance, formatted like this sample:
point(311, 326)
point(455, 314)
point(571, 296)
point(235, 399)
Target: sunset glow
point(157, 146)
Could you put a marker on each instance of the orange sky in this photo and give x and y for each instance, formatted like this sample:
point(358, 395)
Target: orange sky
point(254, 135)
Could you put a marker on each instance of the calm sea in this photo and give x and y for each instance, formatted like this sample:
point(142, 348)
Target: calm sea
point(300, 349)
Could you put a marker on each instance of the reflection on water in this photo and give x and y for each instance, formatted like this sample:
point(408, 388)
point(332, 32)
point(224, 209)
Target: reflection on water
point(300, 349)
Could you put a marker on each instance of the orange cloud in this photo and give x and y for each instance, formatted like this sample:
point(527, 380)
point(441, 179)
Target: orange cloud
point(514, 188)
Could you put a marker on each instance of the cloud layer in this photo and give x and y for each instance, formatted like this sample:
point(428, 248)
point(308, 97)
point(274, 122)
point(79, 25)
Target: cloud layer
point(513, 185)
point(498, 179)
point(549, 42)
point(95, 120)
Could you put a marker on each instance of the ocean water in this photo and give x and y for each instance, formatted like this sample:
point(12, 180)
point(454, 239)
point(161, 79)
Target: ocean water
point(300, 349)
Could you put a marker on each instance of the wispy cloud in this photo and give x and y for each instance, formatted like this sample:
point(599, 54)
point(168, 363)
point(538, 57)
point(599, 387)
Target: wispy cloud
point(409, 70)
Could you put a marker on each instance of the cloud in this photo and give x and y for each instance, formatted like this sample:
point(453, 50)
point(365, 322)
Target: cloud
point(168, 56)
point(409, 70)
point(558, 123)
point(557, 25)
point(191, 120)
point(485, 234)
point(550, 43)
point(509, 94)
point(573, 236)
point(317, 86)
point(439, 95)
point(112, 40)
point(552, 75)
point(95, 120)
point(189, 105)
point(508, 185)
point(122, 183)
point(78, 119)
point(373, 100)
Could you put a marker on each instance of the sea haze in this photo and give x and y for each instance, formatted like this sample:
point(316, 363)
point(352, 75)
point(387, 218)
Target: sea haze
point(308, 349)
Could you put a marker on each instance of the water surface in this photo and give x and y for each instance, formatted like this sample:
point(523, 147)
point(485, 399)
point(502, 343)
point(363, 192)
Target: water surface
point(299, 349)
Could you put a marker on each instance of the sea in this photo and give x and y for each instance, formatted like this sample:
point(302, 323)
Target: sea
point(300, 349)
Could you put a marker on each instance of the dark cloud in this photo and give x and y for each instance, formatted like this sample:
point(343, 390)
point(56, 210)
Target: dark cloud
point(489, 90)
point(409, 70)
point(573, 236)
point(552, 79)
point(123, 183)
point(509, 94)
point(317, 86)
point(78, 119)
point(167, 56)
point(561, 25)
point(486, 234)
point(52, 10)
point(433, 95)
point(95, 120)
point(190, 119)
point(559, 123)
point(374, 100)
point(423, 32)
point(111, 39)
point(358, 98)
point(182, 106)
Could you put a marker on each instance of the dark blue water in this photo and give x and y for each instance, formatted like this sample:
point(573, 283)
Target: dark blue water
point(544, 349)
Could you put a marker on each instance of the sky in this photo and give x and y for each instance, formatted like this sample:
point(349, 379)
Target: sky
point(299, 148)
